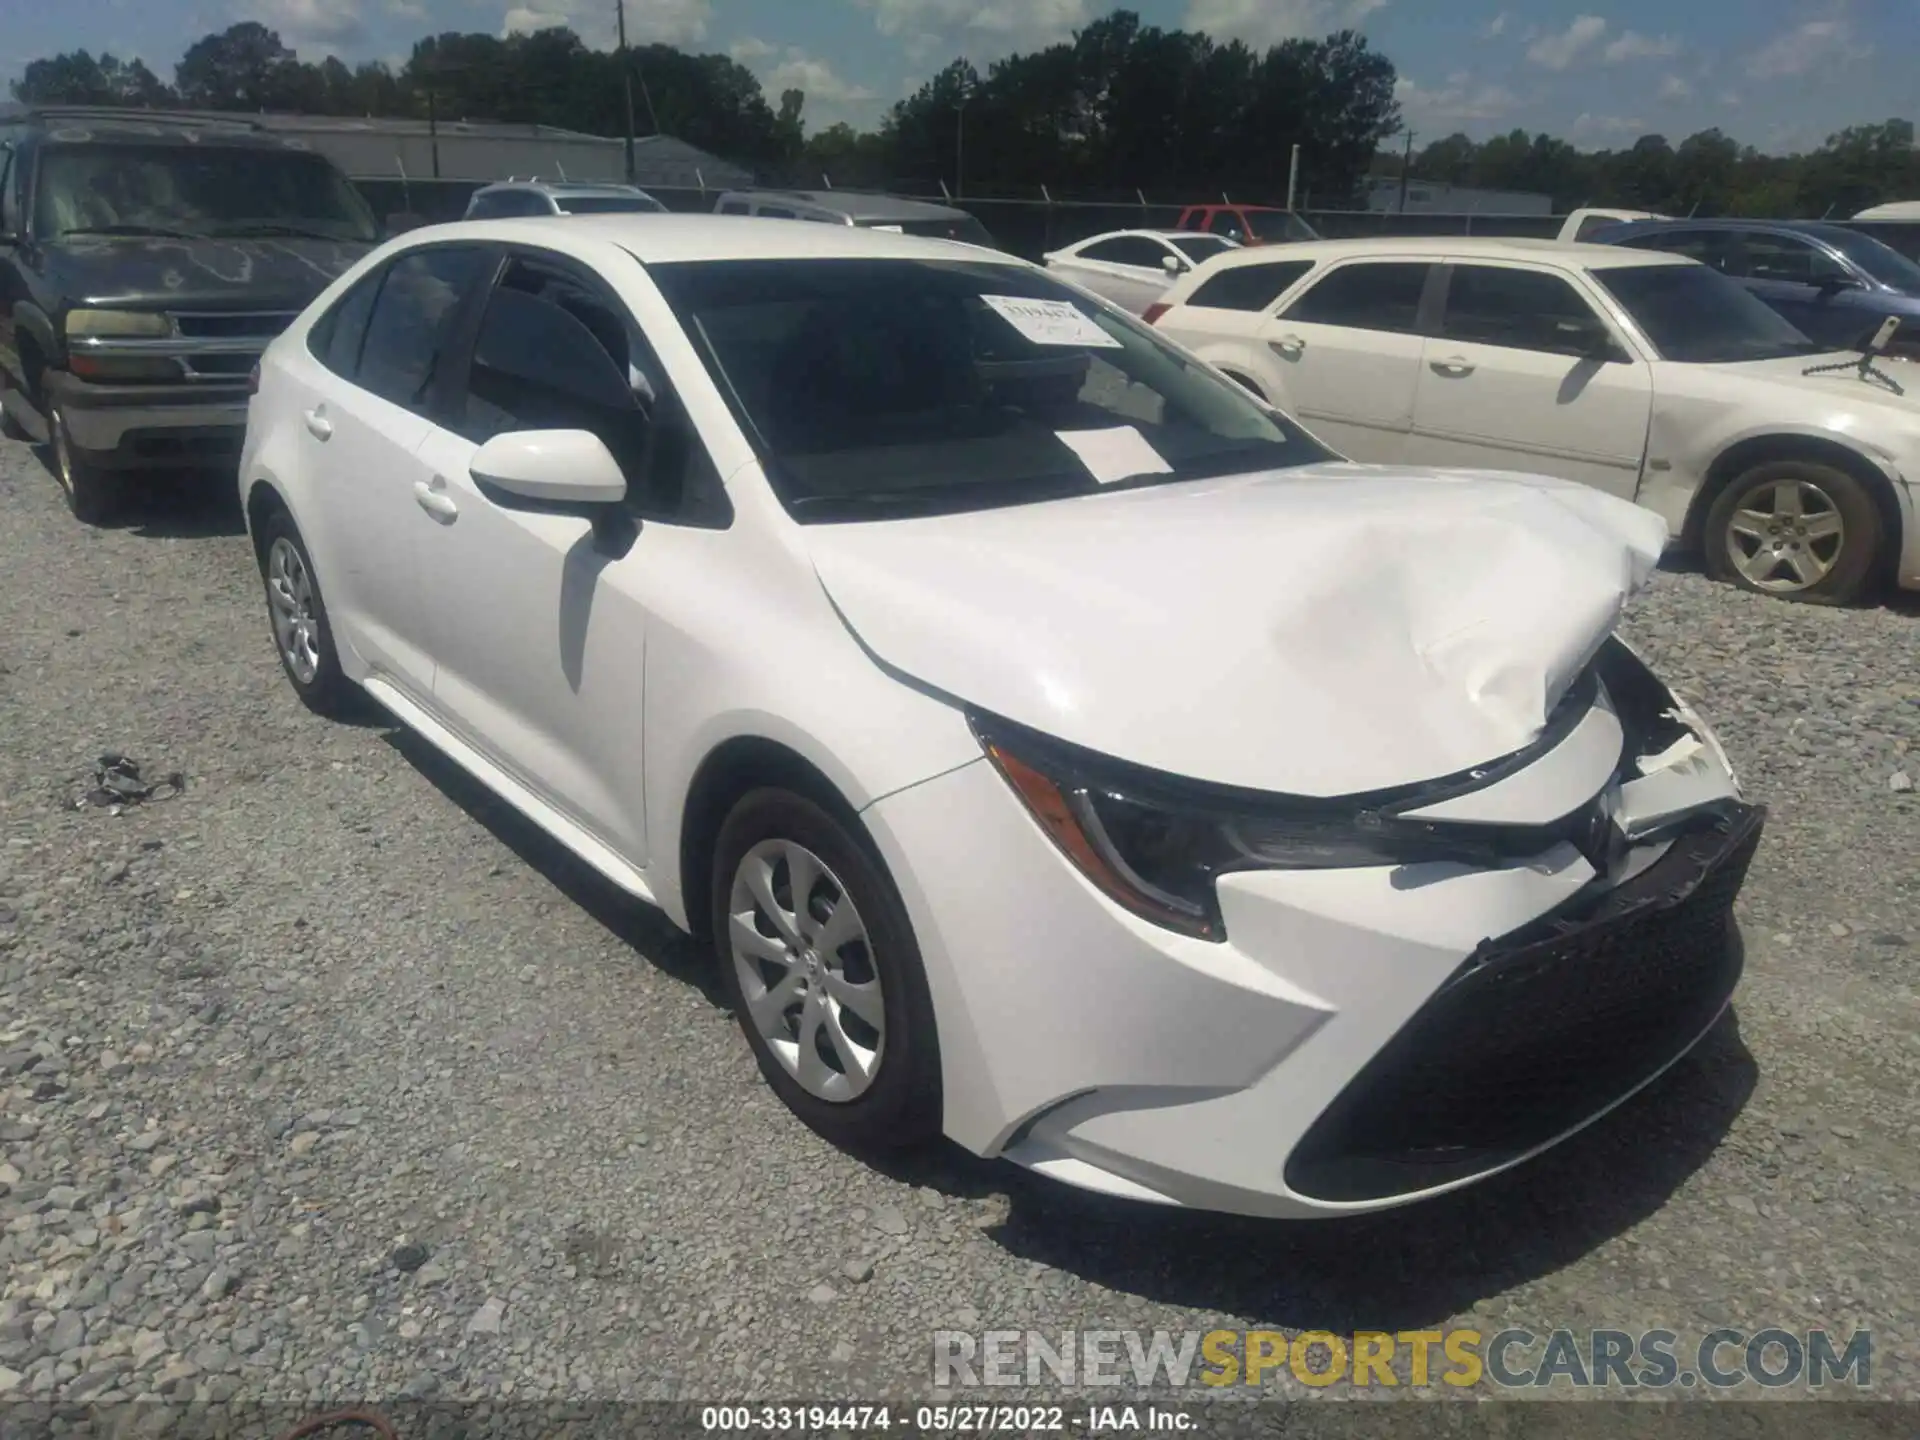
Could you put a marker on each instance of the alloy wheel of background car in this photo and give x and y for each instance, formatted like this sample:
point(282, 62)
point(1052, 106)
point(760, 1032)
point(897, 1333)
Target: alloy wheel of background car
point(297, 612)
point(819, 961)
point(1796, 529)
point(92, 494)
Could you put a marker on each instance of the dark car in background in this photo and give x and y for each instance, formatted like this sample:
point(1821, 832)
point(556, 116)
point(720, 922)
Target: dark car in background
point(145, 262)
point(1835, 284)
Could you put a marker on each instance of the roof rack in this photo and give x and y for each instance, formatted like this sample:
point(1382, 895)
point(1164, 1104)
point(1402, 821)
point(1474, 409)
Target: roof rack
point(146, 116)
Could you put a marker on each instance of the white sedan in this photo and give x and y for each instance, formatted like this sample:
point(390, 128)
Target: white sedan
point(1056, 748)
point(1650, 376)
point(1133, 268)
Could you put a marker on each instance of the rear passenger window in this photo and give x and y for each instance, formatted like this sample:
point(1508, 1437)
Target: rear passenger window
point(732, 207)
point(1249, 287)
point(335, 339)
point(774, 212)
point(415, 310)
point(1375, 296)
point(1134, 250)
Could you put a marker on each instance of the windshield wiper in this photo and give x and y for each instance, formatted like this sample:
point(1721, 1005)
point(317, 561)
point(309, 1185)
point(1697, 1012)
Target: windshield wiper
point(274, 228)
point(155, 230)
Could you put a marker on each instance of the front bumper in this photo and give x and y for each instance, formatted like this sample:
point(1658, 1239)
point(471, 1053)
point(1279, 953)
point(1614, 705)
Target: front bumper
point(1356, 1042)
point(140, 426)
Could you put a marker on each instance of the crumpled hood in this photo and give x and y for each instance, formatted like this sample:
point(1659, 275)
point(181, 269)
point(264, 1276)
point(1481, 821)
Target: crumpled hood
point(263, 274)
point(1316, 631)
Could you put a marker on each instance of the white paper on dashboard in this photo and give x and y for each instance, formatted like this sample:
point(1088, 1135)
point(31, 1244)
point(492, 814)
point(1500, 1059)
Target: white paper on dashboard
point(1116, 454)
point(1050, 322)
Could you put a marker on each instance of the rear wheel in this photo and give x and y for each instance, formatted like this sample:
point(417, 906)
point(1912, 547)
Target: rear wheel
point(819, 961)
point(1798, 529)
point(93, 494)
point(302, 634)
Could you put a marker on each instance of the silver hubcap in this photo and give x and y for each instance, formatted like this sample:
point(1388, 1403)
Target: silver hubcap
point(296, 629)
point(806, 970)
point(1788, 537)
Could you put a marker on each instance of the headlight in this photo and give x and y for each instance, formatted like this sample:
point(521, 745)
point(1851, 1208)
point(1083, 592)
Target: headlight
point(120, 324)
point(1156, 844)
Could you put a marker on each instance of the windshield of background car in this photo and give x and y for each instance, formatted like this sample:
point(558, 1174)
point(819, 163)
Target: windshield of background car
point(1697, 315)
point(1877, 258)
point(610, 205)
point(1280, 226)
point(196, 191)
point(1200, 248)
point(877, 389)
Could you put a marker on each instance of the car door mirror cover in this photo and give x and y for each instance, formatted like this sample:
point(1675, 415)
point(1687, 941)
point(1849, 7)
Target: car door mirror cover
point(570, 469)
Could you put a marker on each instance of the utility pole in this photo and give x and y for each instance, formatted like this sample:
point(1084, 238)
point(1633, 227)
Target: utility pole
point(1406, 165)
point(960, 146)
point(1293, 177)
point(433, 127)
point(626, 81)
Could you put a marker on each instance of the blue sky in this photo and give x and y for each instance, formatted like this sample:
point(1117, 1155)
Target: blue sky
point(1779, 74)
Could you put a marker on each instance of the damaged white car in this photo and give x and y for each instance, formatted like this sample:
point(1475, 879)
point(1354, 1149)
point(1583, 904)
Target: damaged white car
point(1057, 747)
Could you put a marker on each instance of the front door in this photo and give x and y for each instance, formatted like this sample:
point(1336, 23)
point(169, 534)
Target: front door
point(1514, 380)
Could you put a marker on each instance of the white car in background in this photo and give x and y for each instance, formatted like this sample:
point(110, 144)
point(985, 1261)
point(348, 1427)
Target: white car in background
point(1133, 268)
point(1054, 747)
point(1647, 375)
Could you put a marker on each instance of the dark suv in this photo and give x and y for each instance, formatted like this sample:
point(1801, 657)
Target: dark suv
point(146, 259)
point(1836, 285)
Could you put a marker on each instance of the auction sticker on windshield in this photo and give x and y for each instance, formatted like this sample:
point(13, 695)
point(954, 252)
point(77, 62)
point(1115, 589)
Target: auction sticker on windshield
point(1050, 322)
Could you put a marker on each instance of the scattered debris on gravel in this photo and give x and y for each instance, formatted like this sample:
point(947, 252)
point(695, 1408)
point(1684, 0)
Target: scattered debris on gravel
point(327, 1081)
point(117, 783)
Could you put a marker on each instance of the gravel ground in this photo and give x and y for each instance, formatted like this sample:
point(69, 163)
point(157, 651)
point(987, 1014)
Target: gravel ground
point(328, 1080)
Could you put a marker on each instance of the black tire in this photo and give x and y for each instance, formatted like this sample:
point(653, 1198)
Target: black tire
point(900, 1108)
point(1819, 570)
point(93, 494)
point(326, 690)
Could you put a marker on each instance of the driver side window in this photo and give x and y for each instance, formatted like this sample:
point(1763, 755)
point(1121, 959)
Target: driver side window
point(554, 353)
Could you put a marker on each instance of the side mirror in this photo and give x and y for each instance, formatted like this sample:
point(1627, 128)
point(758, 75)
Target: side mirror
point(1833, 284)
point(1171, 264)
point(565, 468)
point(1589, 340)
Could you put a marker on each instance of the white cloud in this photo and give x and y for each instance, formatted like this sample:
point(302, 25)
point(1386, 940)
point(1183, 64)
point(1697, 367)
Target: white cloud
point(1675, 87)
point(799, 71)
point(667, 22)
point(1560, 50)
point(995, 26)
point(307, 24)
point(1632, 45)
point(408, 9)
point(1267, 22)
point(1804, 48)
point(750, 49)
point(1458, 101)
point(1497, 26)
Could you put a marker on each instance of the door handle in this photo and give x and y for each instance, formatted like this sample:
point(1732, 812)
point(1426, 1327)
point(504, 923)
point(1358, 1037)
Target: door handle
point(1290, 346)
point(318, 425)
point(1453, 366)
point(435, 500)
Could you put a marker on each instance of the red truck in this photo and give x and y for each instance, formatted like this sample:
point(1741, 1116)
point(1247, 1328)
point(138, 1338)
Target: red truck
point(1247, 224)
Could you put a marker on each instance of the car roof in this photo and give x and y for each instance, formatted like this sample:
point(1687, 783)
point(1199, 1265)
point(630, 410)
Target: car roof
point(1798, 227)
point(83, 125)
point(854, 204)
point(563, 187)
point(667, 239)
point(1446, 247)
point(1145, 233)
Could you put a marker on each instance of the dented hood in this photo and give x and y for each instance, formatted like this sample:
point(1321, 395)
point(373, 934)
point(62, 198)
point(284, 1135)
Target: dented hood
point(1315, 631)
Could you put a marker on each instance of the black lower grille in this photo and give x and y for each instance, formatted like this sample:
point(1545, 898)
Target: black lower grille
point(1543, 1028)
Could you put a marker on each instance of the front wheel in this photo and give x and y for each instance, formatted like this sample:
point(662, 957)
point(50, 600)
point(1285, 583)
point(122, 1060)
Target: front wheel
point(302, 634)
point(1798, 529)
point(93, 494)
point(818, 959)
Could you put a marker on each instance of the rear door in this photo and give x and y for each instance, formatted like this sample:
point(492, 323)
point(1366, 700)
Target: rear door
point(1512, 381)
point(1349, 350)
point(361, 424)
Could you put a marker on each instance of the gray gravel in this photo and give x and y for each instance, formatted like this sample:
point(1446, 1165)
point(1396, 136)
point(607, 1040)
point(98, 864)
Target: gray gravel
point(328, 1080)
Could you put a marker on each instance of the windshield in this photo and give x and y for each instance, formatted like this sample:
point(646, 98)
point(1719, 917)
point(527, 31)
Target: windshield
point(610, 205)
point(1199, 248)
point(880, 389)
point(963, 228)
point(196, 191)
point(1280, 225)
point(1697, 315)
point(1877, 258)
